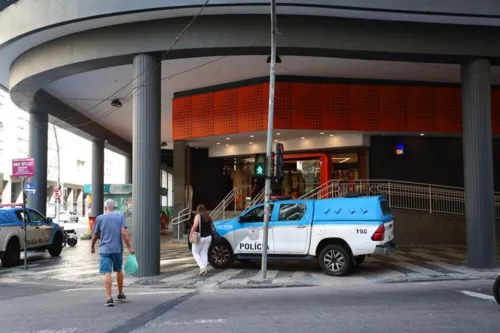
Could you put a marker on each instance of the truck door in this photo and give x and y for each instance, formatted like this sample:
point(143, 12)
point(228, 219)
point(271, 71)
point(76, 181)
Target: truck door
point(249, 236)
point(31, 231)
point(42, 229)
point(291, 228)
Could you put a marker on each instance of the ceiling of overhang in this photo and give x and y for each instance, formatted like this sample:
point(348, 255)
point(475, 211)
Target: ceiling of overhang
point(85, 92)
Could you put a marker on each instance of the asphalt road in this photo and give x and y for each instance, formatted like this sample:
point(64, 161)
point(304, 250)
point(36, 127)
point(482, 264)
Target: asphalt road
point(426, 307)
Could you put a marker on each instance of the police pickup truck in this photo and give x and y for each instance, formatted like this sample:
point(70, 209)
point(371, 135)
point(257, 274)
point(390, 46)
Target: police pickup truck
point(337, 232)
point(42, 234)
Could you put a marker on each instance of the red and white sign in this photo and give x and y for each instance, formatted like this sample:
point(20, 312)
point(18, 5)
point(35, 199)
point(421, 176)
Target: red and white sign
point(57, 193)
point(23, 167)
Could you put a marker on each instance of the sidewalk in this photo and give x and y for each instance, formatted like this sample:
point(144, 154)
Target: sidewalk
point(179, 270)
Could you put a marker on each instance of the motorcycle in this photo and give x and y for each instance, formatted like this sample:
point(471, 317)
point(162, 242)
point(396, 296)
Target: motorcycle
point(496, 289)
point(70, 238)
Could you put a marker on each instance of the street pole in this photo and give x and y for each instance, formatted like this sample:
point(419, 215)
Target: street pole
point(25, 223)
point(269, 151)
point(58, 200)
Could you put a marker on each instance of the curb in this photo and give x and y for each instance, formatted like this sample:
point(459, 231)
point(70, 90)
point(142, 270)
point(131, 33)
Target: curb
point(408, 279)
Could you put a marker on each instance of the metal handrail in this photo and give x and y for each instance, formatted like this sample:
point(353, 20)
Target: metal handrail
point(259, 198)
point(429, 198)
point(184, 215)
point(220, 209)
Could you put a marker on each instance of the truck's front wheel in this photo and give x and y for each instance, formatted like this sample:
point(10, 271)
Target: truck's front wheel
point(220, 255)
point(335, 260)
point(12, 254)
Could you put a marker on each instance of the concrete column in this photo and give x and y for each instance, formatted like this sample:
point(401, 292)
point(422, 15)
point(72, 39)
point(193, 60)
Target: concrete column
point(180, 181)
point(38, 147)
point(128, 169)
point(97, 186)
point(478, 163)
point(146, 137)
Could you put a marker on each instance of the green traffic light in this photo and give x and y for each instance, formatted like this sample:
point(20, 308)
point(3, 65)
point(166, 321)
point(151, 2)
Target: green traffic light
point(259, 170)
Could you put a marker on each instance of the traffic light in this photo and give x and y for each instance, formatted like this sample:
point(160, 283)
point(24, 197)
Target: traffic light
point(280, 164)
point(260, 165)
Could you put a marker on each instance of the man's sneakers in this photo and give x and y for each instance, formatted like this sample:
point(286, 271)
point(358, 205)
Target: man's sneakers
point(120, 298)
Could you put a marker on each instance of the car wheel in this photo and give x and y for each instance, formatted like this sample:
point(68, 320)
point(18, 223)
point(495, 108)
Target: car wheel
point(57, 245)
point(220, 255)
point(12, 254)
point(335, 260)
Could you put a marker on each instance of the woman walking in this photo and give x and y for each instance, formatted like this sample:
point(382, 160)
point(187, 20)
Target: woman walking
point(201, 237)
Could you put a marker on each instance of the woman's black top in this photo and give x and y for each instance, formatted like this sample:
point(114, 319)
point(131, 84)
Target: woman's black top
point(206, 227)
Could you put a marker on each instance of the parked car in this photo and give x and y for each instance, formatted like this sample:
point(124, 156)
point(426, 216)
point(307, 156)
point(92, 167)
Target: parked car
point(67, 216)
point(42, 234)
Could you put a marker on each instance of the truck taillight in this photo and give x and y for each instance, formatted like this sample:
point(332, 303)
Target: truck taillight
point(379, 234)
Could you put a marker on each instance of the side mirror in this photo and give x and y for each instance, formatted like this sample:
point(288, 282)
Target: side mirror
point(49, 220)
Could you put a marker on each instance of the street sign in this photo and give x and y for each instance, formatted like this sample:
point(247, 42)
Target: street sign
point(57, 193)
point(23, 167)
point(30, 188)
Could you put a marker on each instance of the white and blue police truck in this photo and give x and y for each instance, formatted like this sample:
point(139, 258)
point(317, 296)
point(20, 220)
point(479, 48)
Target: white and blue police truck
point(337, 232)
point(41, 233)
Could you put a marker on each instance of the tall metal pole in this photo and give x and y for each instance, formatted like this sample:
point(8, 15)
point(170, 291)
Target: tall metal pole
point(269, 151)
point(58, 201)
point(25, 223)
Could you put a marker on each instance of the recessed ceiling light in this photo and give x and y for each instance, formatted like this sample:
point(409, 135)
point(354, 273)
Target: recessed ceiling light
point(251, 143)
point(218, 143)
point(422, 134)
point(227, 145)
point(331, 134)
point(227, 138)
point(302, 138)
point(278, 133)
point(321, 133)
point(252, 136)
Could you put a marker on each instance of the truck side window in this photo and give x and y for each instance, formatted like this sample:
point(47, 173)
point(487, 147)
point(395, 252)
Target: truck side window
point(386, 209)
point(255, 215)
point(35, 217)
point(292, 212)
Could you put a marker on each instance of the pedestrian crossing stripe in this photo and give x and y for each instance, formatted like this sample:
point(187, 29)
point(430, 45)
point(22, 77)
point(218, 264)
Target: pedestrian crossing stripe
point(178, 267)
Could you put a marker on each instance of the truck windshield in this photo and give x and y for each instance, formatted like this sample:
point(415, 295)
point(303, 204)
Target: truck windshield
point(386, 209)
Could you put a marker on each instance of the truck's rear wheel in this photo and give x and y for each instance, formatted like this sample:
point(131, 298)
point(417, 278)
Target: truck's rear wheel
point(57, 245)
point(335, 260)
point(220, 255)
point(12, 254)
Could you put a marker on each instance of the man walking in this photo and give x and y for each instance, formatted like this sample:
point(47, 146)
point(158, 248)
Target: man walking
point(111, 228)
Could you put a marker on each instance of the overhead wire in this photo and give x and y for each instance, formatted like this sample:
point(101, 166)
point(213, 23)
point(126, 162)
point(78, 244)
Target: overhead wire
point(111, 110)
point(158, 63)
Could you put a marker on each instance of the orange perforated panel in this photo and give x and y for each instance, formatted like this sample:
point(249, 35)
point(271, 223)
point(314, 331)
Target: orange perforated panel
point(393, 108)
point(306, 106)
point(315, 106)
point(448, 111)
point(203, 109)
point(283, 106)
point(225, 118)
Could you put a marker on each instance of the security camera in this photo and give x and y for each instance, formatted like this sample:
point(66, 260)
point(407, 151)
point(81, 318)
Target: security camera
point(116, 103)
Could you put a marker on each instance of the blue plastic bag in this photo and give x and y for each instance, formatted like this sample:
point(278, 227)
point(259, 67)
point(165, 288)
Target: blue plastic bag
point(131, 266)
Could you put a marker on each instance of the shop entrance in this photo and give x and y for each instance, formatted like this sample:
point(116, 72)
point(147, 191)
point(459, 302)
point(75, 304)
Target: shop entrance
point(303, 171)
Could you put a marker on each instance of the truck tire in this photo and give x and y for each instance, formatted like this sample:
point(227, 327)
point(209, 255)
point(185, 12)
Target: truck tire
point(335, 260)
point(57, 245)
point(12, 254)
point(220, 255)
